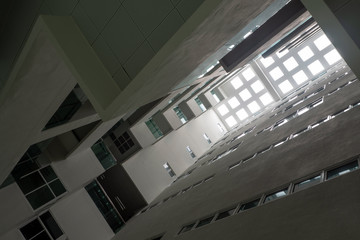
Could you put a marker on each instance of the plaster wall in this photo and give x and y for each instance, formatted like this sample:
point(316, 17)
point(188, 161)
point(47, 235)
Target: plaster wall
point(194, 107)
point(77, 170)
point(79, 217)
point(13, 234)
point(326, 211)
point(146, 167)
point(14, 208)
point(143, 135)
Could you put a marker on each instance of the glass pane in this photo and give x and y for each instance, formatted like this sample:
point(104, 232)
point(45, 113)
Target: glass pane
point(42, 236)
point(187, 228)
point(249, 205)
point(23, 168)
point(51, 225)
point(276, 195)
point(342, 170)
point(103, 154)
point(57, 187)
point(104, 206)
point(66, 110)
point(226, 213)
point(31, 229)
point(157, 238)
point(9, 180)
point(40, 197)
point(48, 173)
point(307, 183)
point(126, 135)
point(205, 221)
point(30, 182)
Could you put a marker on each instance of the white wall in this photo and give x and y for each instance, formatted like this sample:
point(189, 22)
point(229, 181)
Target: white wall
point(143, 134)
point(77, 170)
point(79, 218)
point(194, 107)
point(14, 208)
point(146, 167)
point(172, 118)
point(211, 99)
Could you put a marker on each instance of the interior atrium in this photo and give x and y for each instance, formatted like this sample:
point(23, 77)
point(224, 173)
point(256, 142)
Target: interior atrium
point(179, 119)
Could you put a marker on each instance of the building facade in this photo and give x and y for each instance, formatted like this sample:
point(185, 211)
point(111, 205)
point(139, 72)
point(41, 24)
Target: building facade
point(179, 120)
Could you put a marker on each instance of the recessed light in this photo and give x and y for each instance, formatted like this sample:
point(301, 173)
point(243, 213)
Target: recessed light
point(210, 68)
point(248, 34)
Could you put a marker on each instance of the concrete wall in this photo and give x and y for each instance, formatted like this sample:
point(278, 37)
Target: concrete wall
point(211, 99)
point(194, 107)
point(162, 123)
point(329, 210)
point(187, 111)
point(74, 173)
point(205, 100)
point(146, 167)
point(172, 118)
point(79, 217)
point(13, 234)
point(14, 209)
point(143, 135)
point(77, 170)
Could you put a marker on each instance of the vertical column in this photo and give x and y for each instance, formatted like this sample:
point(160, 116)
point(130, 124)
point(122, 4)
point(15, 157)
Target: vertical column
point(162, 122)
point(341, 23)
point(186, 110)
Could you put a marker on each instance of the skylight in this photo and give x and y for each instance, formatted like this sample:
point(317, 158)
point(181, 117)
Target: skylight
point(281, 54)
point(300, 77)
point(290, 64)
point(233, 102)
point(242, 114)
point(245, 95)
point(285, 86)
point(267, 61)
point(305, 53)
point(257, 86)
point(276, 73)
point(248, 74)
point(223, 110)
point(322, 42)
point(230, 121)
point(316, 67)
point(266, 99)
point(236, 82)
point(254, 107)
point(332, 57)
